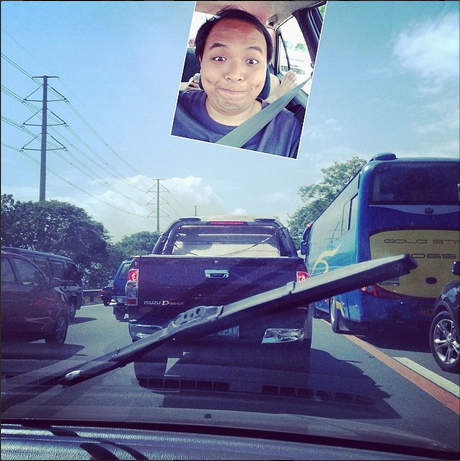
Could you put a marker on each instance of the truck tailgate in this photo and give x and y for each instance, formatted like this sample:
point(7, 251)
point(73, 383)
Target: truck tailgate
point(188, 281)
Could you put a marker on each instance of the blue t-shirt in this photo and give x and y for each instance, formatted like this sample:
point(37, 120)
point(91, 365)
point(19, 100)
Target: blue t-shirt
point(280, 136)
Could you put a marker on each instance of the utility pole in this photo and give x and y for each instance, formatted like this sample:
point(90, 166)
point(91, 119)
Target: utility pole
point(44, 125)
point(157, 203)
point(43, 144)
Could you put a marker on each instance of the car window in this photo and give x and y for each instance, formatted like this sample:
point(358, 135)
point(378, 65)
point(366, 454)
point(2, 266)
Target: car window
point(293, 51)
point(29, 274)
point(124, 270)
point(42, 263)
point(72, 273)
point(58, 269)
point(7, 272)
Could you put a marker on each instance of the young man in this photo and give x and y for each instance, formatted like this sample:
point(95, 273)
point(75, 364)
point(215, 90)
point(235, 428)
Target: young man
point(234, 49)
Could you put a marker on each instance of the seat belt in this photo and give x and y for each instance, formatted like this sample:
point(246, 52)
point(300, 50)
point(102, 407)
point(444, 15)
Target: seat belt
point(244, 132)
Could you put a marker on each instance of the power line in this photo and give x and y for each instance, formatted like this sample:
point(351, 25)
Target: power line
point(74, 185)
point(105, 165)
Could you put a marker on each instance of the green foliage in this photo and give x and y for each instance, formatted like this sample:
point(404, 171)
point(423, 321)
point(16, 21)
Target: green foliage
point(140, 243)
point(55, 227)
point(61, 228)
point(317, 197)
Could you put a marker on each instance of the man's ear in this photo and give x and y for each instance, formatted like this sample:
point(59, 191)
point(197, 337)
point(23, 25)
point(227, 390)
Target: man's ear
point(266, 89)
point(199, 80)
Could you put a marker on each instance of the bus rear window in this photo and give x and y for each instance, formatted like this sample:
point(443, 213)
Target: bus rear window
point(415, 184)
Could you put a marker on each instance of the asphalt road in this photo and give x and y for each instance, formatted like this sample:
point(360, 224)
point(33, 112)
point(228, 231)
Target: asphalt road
point(385, 381)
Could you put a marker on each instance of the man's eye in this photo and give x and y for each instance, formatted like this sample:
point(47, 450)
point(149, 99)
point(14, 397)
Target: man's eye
point(218, 58)
point(252, 61)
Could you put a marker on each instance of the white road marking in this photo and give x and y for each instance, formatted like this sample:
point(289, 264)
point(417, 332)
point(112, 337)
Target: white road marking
point(428, 374)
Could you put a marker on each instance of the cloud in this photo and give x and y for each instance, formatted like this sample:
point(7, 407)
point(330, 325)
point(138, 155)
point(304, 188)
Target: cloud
point(149, 199)
point(322, 131)
point(240, 211)
point(431, 50)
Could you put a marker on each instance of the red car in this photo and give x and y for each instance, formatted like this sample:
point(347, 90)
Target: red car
point(33, 305)
point(106, 293)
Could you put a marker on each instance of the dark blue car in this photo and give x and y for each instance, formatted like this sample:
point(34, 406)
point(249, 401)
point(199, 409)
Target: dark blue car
point(445, 328)
point(118, 301)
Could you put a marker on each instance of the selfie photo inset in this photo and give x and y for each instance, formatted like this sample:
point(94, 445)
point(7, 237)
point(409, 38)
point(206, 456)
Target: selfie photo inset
point(247, 74)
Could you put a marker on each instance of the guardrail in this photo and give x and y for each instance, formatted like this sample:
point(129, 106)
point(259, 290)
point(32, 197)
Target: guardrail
point(92, 296)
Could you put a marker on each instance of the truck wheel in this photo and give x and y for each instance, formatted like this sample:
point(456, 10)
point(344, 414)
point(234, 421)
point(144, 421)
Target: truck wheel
point(72, 310)
point(119, 314)
point(335, 316)
point(306, 345)
point(294, 356)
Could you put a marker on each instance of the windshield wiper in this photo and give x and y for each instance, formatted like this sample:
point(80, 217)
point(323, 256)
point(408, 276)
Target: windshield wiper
point(203, 320)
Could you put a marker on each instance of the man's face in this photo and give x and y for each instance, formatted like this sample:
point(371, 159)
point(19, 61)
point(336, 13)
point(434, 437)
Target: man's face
point(233, 67)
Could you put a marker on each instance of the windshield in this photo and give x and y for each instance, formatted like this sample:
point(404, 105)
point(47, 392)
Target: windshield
point(230, 331)
point(432, 183)
point(221, 240)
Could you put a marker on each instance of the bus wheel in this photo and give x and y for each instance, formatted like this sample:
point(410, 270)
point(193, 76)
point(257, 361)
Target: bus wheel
point(335, 316)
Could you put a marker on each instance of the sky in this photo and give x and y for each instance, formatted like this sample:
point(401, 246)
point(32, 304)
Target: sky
point(386, 80)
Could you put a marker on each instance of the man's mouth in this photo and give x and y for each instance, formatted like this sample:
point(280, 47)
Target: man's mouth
point(231, 91)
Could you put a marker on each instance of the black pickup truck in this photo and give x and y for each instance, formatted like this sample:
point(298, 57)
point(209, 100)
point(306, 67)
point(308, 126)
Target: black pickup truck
point(216, 261)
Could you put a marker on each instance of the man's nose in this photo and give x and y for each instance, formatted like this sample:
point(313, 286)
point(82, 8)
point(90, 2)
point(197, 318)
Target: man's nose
point(235, 70)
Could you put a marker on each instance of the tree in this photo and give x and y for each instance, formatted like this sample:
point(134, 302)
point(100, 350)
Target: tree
point(55, 227)
point(317, 197)
point(140, 243)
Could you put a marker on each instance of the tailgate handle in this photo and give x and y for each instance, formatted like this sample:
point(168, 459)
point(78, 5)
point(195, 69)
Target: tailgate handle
point(216, 273)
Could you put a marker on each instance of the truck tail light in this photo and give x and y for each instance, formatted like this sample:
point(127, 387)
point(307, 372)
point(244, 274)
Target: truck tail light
point(133, 275)
point(227, 223)
point(302, 276)
point(131, 287)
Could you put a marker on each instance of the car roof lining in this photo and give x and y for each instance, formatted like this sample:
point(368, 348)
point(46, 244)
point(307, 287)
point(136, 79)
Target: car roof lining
point(268, 12)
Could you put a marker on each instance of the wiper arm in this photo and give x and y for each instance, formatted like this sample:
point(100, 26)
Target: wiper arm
point(203, 320)
point(189, 320)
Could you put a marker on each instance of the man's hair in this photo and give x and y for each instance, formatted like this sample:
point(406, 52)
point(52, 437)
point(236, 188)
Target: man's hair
point(230, 12)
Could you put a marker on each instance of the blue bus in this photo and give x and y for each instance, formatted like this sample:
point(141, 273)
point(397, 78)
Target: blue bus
point(391, 206)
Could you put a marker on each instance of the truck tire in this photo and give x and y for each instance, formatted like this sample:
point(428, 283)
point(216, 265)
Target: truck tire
point(72, 309)
point(119, 314)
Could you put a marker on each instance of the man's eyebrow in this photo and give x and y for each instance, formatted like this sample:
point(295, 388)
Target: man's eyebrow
point(223, 45)
point(217, 45)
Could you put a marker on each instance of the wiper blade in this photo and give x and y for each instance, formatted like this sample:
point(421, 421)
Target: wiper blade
point(203, 320)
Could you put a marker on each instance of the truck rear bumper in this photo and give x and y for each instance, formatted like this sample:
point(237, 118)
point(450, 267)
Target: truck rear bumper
point(290, 327)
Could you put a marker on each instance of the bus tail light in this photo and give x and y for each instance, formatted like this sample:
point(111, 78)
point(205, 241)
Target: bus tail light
point(379, 292)
point(302, 276)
